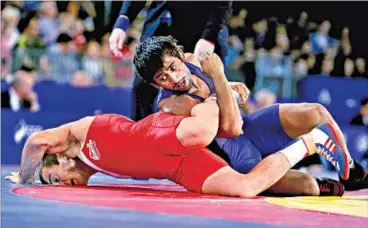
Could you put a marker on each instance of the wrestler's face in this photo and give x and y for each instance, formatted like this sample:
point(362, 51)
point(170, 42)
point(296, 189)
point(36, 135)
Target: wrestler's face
point(174, 75)
point(67, 172)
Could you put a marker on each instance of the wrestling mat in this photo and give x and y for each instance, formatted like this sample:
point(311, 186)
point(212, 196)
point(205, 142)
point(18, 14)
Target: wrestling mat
point(153, 203)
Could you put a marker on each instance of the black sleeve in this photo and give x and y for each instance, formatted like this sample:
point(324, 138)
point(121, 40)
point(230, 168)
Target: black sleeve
point(219, 17)
point(130, 9)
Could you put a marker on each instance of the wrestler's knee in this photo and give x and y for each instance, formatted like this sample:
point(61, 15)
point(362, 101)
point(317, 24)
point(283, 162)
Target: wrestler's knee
point(310, 185)
point(316, 114)
point(309, 114)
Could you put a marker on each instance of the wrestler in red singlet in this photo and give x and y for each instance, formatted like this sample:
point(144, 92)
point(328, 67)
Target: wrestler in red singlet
point(116, 145)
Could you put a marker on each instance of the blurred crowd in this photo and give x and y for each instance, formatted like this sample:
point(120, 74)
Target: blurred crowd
point(296, 47)
point(68, 42)
point(64, 45)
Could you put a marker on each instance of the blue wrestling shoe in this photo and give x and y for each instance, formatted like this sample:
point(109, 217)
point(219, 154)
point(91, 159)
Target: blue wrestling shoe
point(332, 151)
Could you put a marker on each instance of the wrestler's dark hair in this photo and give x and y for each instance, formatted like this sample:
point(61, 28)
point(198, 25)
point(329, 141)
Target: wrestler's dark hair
point(149, 55)
point(48, 160)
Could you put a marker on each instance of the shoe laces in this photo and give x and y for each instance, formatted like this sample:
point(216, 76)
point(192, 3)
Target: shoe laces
point(322, 151)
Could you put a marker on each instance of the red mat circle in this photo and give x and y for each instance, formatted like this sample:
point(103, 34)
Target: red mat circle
point(173, 199)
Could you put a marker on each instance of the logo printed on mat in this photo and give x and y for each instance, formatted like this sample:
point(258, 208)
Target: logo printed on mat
point(93, 151)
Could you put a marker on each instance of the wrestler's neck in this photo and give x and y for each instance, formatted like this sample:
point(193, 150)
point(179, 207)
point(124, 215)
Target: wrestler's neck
point(85, 170)
point(198, 84)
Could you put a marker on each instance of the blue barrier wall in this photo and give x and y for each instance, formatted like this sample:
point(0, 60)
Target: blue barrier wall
point(341, 96)
point(16, 127)
point(65, 98)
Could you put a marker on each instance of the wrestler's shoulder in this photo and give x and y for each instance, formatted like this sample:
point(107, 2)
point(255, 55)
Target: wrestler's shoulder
point(193, 59)
point(165, 119)
point(110, 118)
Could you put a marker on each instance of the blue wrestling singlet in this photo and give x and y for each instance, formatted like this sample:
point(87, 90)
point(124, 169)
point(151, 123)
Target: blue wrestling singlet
point(263, 132)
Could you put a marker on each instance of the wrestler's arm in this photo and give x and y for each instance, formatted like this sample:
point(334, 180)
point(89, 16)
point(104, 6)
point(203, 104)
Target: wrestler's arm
point(199, 130)
point(229, 182)
point(55, 140)
point(231, 121)
point(52, 140)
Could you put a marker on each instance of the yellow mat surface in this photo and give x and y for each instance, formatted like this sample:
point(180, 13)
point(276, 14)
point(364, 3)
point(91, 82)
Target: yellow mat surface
point(346, 205)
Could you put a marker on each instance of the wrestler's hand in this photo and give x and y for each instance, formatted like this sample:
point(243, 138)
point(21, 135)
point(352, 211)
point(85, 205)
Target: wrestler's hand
point(212, 66)
point(14, 177)
point(203, 47)
point(116, 41)
point(242, 90)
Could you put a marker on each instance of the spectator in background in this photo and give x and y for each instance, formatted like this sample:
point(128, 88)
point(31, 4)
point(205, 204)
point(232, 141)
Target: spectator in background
point(21, 94)
point(6, 54)
point(48, 21)
point(238, 25)
point(92, 62)
point(30, 46)
point(11, 16)
point(261, 33)
point(282, 40)
point(108, 62)
point(321, 39)
point(264, 98)
point(78, 35)
point(240, 61)
point(348, 68)
point(274, 63)
point(62, 59)
point(316, 68)
point(31, 38)
point(360, 68)
point(304, 61)
point(249, 66)
point(327, 67)
point(362, 117)
point(82, 79)
point(344, 53)
point(298, 31)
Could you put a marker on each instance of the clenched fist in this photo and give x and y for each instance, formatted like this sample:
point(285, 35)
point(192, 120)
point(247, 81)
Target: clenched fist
point(212, 66)
point(242, 90)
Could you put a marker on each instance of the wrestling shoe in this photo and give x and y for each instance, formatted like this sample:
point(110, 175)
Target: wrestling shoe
point(358, 178)
point(330, 187)
point(331, 150)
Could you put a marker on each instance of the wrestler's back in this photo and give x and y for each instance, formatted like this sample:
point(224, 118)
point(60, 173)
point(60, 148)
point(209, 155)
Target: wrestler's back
point(116, 145)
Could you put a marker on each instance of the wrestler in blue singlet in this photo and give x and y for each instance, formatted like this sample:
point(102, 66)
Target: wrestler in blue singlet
point(263, 132)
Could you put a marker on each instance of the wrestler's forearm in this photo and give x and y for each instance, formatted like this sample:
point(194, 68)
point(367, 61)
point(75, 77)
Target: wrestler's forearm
point(230, 118)
point(207, 108)
point(267, 173)
point(199, 130)
point(208, 113)
point(31, 156)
